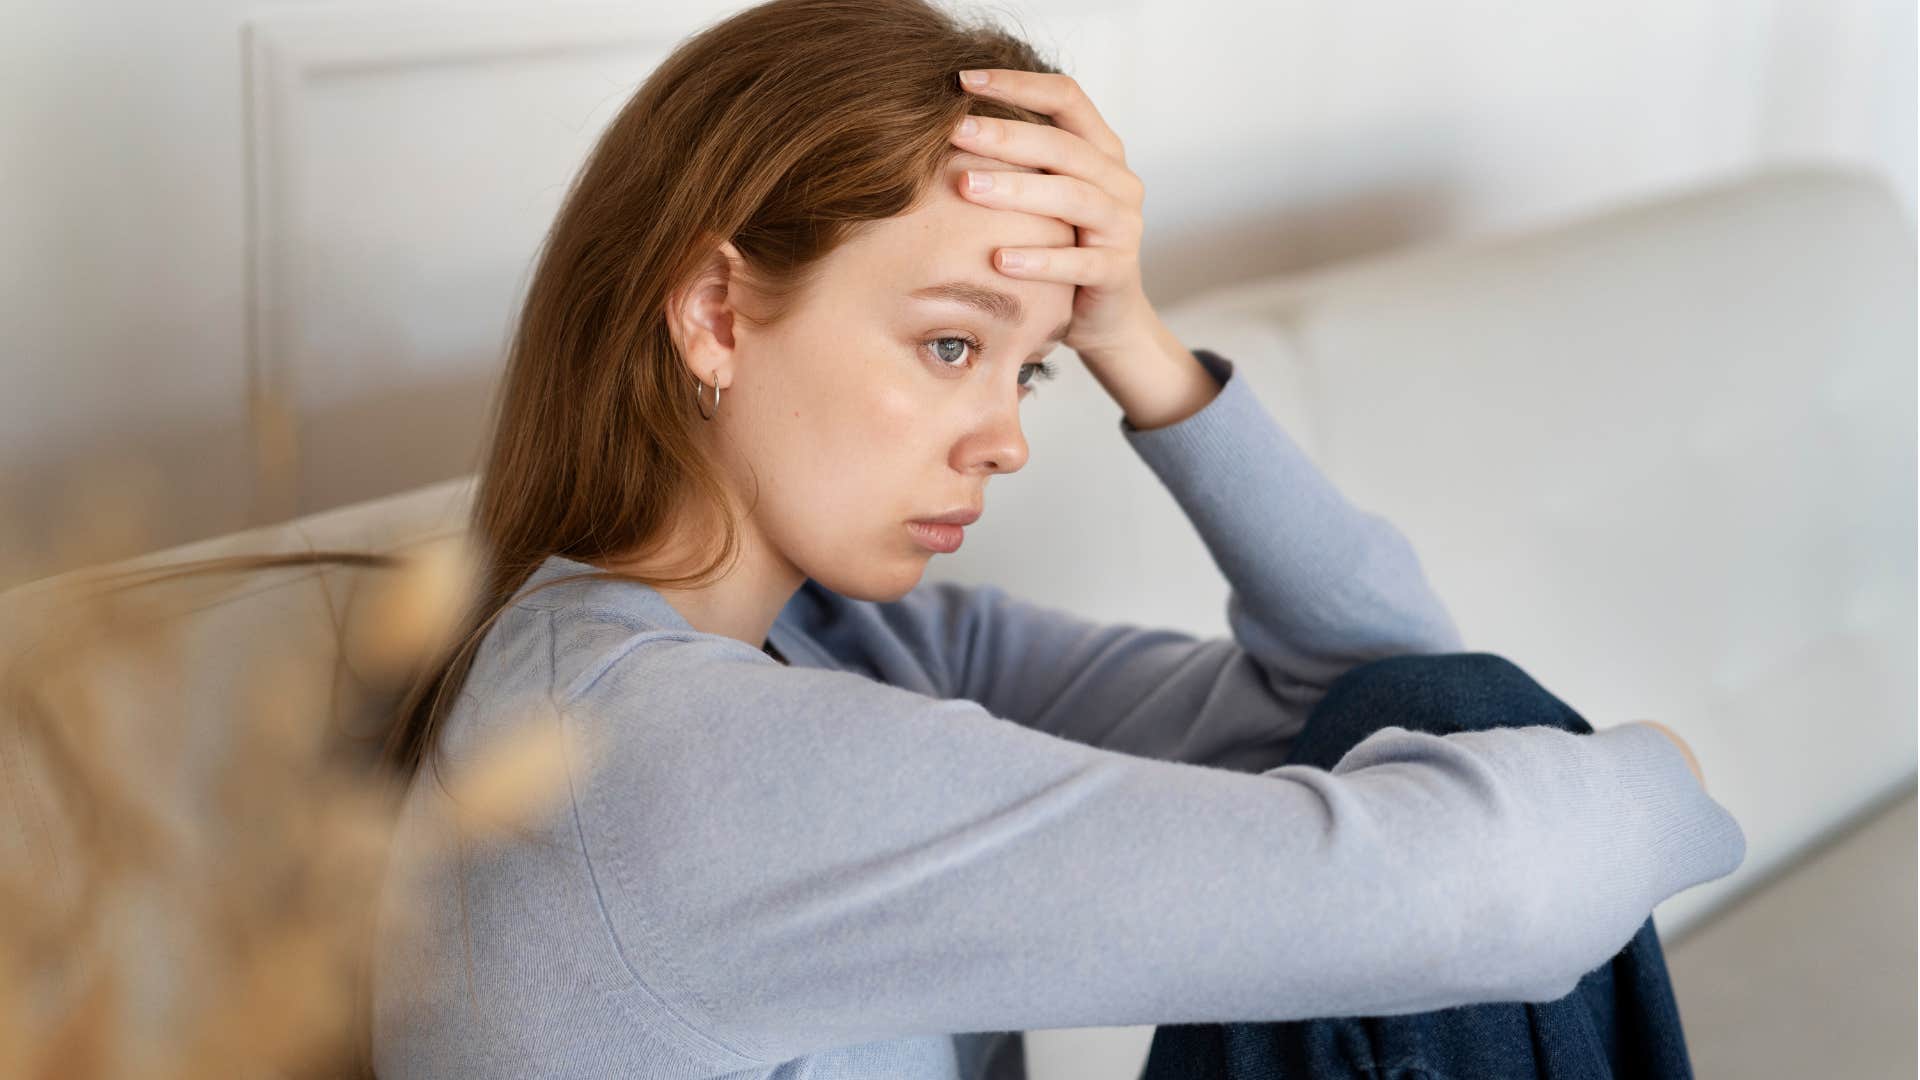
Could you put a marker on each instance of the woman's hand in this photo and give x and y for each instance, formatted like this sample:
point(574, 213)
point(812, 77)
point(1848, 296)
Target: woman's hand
point(1692, 762)
point(1085, 183)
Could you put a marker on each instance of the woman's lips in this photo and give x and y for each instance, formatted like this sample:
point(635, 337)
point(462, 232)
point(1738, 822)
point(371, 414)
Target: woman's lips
point(941, 538)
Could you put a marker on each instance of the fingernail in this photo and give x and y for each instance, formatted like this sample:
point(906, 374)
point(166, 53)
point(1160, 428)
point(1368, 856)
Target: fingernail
point(974, 78)
point(969, 126)
point(978, 181)
point(1012, 259)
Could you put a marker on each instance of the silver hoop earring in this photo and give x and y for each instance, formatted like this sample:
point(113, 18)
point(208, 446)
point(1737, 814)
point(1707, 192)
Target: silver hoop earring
point(699, 397)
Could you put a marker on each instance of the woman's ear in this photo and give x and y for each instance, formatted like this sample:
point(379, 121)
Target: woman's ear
point(700, 316)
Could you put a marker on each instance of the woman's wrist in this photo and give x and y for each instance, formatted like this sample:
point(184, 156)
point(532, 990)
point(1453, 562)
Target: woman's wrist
point(1155, 379)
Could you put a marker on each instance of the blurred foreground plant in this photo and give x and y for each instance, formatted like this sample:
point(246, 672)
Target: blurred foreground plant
point(189, 886)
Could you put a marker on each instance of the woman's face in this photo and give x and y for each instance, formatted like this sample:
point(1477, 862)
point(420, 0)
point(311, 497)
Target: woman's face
point(868, 407)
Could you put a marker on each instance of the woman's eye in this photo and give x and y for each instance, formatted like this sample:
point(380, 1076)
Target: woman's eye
point(950, 357)
point(948, 349)
point(1042, 371)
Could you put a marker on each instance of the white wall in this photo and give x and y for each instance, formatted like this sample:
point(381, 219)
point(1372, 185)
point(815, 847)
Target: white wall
point(337, 202)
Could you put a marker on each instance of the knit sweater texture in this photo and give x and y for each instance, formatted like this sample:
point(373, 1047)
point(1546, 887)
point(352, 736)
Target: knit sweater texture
point(956, 816)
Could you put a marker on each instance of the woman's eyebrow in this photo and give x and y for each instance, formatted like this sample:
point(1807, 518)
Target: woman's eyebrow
point(1003, 306)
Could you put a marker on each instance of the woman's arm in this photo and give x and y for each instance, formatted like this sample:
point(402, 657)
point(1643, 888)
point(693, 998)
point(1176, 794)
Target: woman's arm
point(794, 858)
point(1317, 587)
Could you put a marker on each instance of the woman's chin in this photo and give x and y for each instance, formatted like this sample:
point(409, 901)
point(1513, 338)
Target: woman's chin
point(879, 580)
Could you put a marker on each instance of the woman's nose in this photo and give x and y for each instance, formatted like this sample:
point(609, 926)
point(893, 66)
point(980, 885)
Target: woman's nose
point(1002, 444)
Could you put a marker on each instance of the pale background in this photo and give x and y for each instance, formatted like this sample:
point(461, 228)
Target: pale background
point(337, 202)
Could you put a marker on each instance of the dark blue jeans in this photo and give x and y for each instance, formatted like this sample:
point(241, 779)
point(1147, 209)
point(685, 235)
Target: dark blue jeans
point(1620, 1021)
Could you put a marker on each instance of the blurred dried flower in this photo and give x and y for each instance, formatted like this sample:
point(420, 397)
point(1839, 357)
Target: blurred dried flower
point(409, 615)
point(188, 886)
point(517, 775)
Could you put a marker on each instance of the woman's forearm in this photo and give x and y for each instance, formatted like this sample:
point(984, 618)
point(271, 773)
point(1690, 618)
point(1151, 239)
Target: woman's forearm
point(1157, 383)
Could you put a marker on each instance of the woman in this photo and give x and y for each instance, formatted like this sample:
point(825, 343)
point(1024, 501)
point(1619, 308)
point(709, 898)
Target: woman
point(841, 823)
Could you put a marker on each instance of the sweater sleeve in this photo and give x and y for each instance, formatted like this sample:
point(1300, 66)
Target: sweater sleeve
point(794, 858)
point(1317, 586)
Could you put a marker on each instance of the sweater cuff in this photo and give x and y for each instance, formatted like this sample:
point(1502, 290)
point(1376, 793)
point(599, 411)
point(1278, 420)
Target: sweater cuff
point(1188, 428)
point(1687, 838)
point(1198, 454)
point(1697, 839)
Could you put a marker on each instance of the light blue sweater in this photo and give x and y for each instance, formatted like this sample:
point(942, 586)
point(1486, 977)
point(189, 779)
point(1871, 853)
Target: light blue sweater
point(964, 812)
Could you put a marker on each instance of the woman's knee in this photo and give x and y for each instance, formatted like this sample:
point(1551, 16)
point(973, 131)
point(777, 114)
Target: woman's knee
point(1445, 692)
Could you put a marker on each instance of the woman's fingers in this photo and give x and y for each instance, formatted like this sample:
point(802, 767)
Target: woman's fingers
point(1050, 148)
point(1083, 181)
point(1068, 198)
point(1057, 95)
